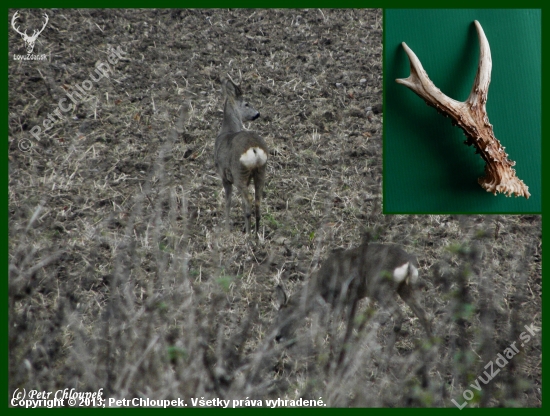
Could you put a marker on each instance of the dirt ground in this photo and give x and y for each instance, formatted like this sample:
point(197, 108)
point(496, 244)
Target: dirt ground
point(122, 276)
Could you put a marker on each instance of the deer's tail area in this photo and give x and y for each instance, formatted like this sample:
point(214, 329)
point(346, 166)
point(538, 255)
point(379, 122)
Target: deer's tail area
point(406, 272)
point(254, 157)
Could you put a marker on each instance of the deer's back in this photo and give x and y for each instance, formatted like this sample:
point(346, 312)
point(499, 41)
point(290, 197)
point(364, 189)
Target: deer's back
point(386, 257)
point(361, 271)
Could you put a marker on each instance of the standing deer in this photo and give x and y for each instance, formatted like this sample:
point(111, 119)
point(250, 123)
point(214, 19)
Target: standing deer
point(371, 270)
point(240, 155)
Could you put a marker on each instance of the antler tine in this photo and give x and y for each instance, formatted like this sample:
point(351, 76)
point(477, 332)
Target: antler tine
point(471, 116)
point(37, 32)
point(483, 77)
point(13, 19)
point(421, 84)
point(45, 23)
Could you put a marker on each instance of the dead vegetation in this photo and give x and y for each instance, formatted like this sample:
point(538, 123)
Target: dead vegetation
point(122, 276)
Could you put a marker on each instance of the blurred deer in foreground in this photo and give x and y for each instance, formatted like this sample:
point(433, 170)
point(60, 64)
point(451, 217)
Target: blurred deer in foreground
point(240, 156)
point(371, 270)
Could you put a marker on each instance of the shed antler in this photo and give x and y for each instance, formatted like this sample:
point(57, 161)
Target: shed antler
point(471, 116)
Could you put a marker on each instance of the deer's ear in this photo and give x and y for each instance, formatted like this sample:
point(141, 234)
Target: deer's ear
point(225, 81)
point(237, 93)
point(229, 89)
point(282, 299)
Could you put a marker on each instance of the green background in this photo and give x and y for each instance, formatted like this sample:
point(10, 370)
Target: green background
point(427, 167)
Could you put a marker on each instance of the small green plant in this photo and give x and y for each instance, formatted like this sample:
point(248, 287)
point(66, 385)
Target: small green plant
point(272, 221)
point(466, 311)
point(162, 307)
point(225, 282)
point(458, 248)
point(176, 353)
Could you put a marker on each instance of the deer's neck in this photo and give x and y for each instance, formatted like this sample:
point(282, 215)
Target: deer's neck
point(231, 121)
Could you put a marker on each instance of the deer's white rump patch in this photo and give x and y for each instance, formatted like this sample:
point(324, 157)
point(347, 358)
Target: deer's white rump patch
point(253, 158)
point(402, 272)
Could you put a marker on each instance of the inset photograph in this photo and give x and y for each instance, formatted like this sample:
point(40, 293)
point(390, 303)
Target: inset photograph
point(481, 71)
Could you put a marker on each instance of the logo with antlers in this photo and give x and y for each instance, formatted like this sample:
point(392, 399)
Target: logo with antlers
point(29, 40)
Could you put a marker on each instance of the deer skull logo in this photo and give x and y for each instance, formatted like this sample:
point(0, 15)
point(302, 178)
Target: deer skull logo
point(29, 40)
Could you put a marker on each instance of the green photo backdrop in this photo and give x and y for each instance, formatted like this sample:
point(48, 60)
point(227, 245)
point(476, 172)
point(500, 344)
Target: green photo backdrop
point(427, 167)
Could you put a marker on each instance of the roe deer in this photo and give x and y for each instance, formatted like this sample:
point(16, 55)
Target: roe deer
point(371, 270)
point(240, 156)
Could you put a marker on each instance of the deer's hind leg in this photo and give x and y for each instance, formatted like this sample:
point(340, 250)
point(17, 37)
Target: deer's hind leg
point(228, 187)
point(242, 185)
point(407, 295)
point(259, 181)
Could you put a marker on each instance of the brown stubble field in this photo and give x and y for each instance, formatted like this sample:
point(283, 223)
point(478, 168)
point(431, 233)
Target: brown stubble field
point(122, 276)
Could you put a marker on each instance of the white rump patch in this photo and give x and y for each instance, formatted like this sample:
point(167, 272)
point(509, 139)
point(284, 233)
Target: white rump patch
point(403, 272)
point(253, 158)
